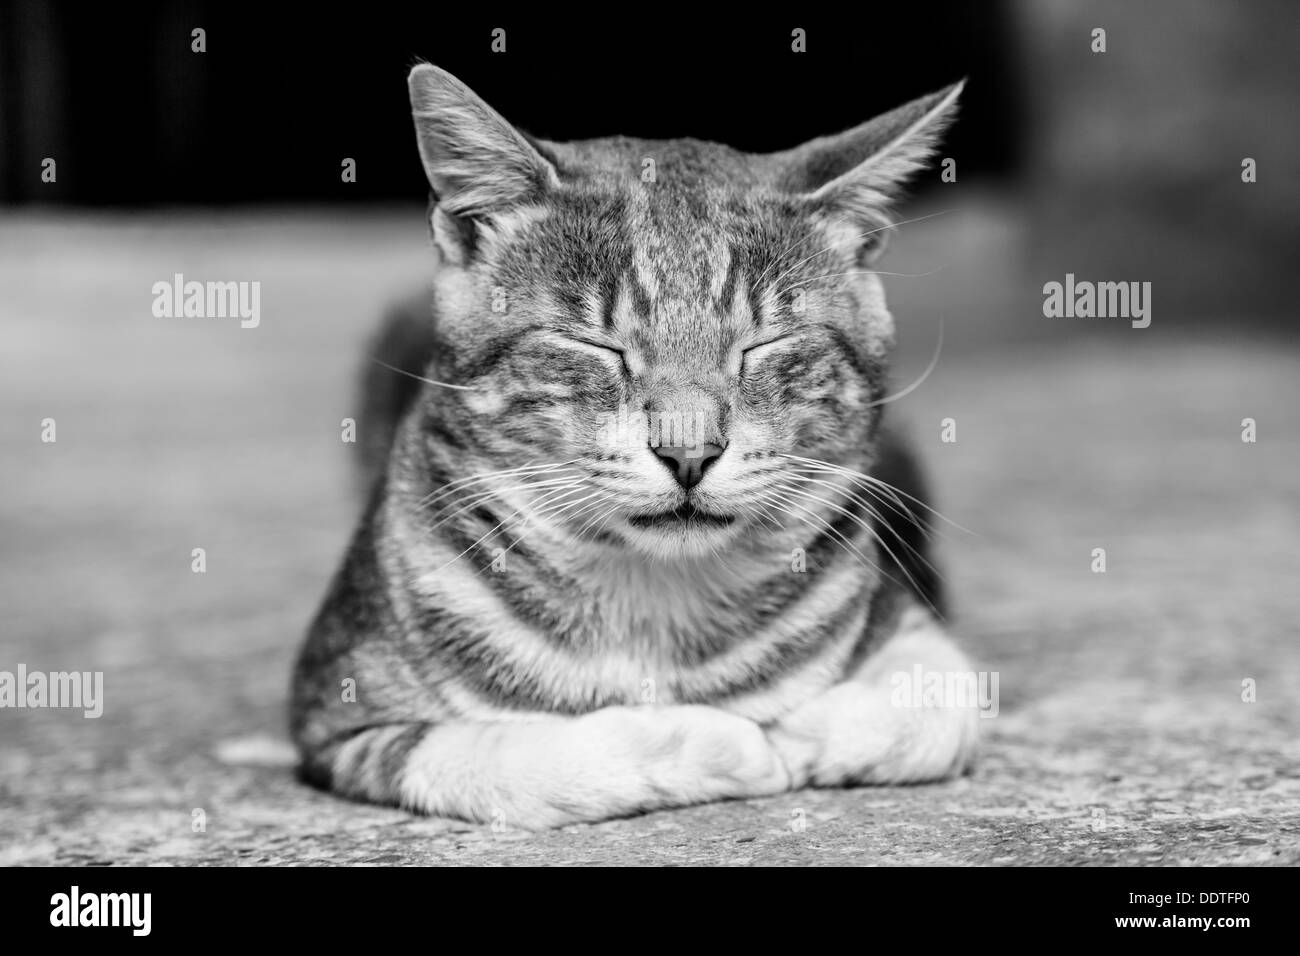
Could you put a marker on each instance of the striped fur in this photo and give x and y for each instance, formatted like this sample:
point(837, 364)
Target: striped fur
point(535, 646)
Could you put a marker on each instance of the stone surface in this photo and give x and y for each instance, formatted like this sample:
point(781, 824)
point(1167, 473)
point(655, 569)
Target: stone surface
point(1121, 737)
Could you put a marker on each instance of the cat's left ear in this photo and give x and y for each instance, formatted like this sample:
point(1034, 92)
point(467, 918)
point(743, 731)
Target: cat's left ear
point(478, 165)
point(858, 173)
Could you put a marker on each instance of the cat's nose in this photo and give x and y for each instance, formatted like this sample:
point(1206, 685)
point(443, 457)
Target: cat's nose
point(688, 465)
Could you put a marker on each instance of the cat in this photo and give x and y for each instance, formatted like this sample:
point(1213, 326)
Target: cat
point(544, 617)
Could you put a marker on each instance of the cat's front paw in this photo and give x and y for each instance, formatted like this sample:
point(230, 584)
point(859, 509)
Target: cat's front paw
point(857, 734)
point(799, 746)
point(736, 755)
point(706, 754)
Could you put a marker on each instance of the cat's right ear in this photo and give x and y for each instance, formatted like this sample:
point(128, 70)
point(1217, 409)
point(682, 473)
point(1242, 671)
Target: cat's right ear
point(477, 164)
point(857, 174)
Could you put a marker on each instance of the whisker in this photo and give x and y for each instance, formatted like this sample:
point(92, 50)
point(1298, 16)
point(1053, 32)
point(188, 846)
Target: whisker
point(762, 512)
point(874, 533)
point(467, 491)
point(871, 480)
point(884, 522)
point(488, 475)
point(864, 272)
point(934, 360)
point(479, 497)
point(917, 589)
point(590, 502)
point(493, 530)
point(602, 517)
point(781, 255)
point(878, 490)
point(421, 378)
point(531, 524)
point(894, 505)
point(846, 543)
point(869, 232)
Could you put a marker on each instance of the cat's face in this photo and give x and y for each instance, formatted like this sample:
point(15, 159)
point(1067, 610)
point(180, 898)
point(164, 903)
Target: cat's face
point(675, 322)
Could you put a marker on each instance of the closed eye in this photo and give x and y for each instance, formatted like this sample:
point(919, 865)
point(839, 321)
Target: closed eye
point(746, 351)
point(772, 341)
point(605, 347)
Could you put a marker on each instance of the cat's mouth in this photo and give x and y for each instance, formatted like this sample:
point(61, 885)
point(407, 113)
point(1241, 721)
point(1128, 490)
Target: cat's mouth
point(683, 514)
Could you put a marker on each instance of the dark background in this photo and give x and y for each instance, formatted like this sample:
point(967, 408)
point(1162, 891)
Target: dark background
point(114, 93)
point(1120, 165)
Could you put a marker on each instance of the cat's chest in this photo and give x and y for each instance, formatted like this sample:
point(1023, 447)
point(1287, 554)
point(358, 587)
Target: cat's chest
point(656, 610)
point(598, 631)
point(702, 632)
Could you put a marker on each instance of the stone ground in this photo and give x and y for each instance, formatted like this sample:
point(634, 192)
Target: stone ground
point(1121, 736)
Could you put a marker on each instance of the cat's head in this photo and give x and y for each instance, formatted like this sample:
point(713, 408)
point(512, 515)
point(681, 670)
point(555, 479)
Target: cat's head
point(670, 319)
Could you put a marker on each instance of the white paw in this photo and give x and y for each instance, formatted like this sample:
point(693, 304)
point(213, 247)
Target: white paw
point(861, 731)
point(734, 756)
point(608, 763)
point(702, 753)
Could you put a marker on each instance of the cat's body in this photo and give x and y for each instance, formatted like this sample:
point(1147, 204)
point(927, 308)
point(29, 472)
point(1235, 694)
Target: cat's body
point(546, 617)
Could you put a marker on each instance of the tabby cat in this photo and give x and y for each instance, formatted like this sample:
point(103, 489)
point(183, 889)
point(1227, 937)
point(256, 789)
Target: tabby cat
point(637, 538)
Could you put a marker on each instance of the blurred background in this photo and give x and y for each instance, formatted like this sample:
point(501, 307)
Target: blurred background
point(1120, 689)
point(1128, 159)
